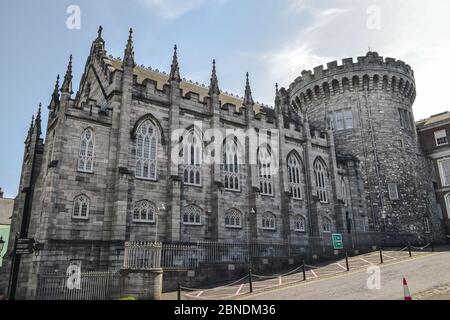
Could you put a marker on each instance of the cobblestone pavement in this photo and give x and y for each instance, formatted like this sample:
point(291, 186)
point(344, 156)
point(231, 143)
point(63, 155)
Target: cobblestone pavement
point(332, 281)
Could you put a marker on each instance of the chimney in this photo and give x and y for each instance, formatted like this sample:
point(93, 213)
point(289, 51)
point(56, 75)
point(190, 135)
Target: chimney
point(1, 193)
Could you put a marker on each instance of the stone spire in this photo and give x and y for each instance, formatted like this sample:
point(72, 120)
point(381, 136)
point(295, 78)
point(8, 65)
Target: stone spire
point(55, 95)
point(67, 84)
point(248, 99)
point(128, 58)
point(30, 130)
point(277, 96)
point(175, 68)
point(214, 86)
point(37, 122)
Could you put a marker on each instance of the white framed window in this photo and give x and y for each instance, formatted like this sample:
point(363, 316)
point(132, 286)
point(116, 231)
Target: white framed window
point(192, 215)
point(230, 165)
point(295, 171)
point(192, 155)
point(269, 221)
point(393, 191)
point(339, 120)
point(326, 225)
point(81, 206)
point(444, 170)
point(300, 224)
point(343, 119)
point(144, 211)
point(441, 138)
point(348, 119)
point(426, 223)
point(402, 118)
point(265, 171)
point(86, 155)
point(146, 151)
point(233, 219)
point(321, 177)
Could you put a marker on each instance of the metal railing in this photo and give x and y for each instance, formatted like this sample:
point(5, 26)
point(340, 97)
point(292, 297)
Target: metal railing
point(142, 255)
point(91, 286)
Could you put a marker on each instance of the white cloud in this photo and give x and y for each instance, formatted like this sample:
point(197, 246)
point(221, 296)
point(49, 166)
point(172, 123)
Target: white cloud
point(173, 9)
point(411, 30)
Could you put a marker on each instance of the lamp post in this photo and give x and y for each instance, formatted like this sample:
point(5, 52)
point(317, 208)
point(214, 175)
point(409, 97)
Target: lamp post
point(161, 207)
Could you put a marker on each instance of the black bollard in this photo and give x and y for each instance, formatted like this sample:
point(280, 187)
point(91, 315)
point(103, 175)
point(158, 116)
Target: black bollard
point(409, 250)
point(346, 261)
point(304, 271)
point(432, 246)
point(179, 291)
point(381, 256)
point(250, 282)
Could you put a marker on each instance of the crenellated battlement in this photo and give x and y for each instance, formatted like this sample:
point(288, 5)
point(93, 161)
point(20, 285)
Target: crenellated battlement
point(370, 73)
point(372, 61)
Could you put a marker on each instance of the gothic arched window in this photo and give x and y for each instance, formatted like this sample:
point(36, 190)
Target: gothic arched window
point(86, 155)
point(81, 207)
point(144, 211)
point(192, 215)
point(320, 172)
point(230, 165)
point(269, 221)
point(295, 176)
point(326, 226)
point(192, 154)
point(233, 219)
point(300, 224)
point(146, 151)
point(265, 171)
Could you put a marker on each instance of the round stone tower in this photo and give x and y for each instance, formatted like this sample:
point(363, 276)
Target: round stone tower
point(368, 104)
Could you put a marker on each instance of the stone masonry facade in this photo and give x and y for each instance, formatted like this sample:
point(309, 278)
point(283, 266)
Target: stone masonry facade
point(107, 172)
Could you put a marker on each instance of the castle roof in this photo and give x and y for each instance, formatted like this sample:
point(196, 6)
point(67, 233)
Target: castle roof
point(162, 79)
point(435, 120)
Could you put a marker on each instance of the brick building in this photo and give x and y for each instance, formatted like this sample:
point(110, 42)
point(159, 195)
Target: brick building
point(434, 139)
point(115, 166)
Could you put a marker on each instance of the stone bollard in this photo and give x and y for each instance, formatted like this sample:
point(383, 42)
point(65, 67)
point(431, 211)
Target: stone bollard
point(142, 284)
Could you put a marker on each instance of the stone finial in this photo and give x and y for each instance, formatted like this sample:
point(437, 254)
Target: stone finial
point(248, 99)
point(174, 68)
point(277, 96)
point(67, 84)
point(128, 59)
point(214, 85)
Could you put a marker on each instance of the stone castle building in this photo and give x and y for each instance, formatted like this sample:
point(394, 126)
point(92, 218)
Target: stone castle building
point(346, 156)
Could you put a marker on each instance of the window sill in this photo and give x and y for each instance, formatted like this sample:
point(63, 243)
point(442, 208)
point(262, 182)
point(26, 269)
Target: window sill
point(192, 224)
point(269, 229)
point(144, 221)
point(80, 218)
point(233, 190)
point(147, 179)
point(234, 227)
point(192, 185)
point(86, 172)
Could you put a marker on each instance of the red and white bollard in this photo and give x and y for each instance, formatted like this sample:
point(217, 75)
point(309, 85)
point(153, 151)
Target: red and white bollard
point(407, 294)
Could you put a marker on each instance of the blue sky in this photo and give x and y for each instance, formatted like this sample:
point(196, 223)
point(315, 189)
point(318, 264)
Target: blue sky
point(274, 40)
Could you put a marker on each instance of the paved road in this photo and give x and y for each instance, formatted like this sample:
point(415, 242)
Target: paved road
point(422, 272)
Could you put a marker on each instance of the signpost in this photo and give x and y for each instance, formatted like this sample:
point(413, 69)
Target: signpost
point(21, 246)
point(25, 246)
point(338, 243)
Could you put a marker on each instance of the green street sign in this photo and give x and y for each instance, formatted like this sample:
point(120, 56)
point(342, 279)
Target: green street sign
point(338, 243)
